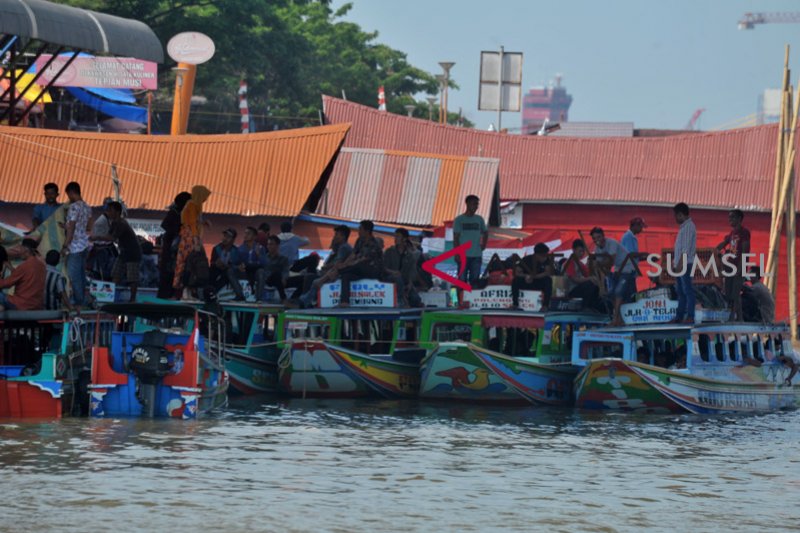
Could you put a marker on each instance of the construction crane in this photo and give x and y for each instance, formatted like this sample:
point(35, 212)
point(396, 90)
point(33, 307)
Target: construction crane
point(693, 121)
point(749, 20)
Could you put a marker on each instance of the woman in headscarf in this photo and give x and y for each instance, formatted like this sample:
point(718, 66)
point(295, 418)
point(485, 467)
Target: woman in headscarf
point(172, 228)
point(191, 229)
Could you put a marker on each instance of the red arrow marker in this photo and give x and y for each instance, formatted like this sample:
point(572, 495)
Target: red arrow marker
point(461, 252)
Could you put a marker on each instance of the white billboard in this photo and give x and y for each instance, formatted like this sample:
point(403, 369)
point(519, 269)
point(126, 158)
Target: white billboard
point(490, 93)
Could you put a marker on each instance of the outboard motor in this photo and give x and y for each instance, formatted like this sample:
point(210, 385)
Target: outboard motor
point(150, 363)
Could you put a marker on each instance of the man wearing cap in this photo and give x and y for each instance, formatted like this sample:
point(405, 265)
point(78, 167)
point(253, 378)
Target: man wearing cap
point(28, 280)
point(629, 239)
point(224, 259)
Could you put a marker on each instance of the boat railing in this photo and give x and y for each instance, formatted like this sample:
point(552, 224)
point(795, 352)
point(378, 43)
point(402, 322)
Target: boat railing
point(215, 331)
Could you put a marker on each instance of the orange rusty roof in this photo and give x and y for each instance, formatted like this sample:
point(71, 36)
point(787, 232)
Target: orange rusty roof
point(255, 174)
point(407, 187)
point(722, 169)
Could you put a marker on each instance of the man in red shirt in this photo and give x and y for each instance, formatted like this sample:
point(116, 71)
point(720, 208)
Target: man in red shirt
point(738, 243)
point(28, 280)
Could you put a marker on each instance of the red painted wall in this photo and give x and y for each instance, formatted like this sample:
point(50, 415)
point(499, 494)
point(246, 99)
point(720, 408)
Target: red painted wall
point(712, 226)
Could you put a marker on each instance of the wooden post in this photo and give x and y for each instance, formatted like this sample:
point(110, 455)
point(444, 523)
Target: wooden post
point(780, 154)
point(791, 252)
point(775, 233)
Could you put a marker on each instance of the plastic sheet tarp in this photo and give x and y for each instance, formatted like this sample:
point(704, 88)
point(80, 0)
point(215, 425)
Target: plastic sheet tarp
point(123, 111)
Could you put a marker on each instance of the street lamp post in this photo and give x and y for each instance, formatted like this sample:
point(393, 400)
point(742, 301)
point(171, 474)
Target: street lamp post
point(440, 80)
point(410, 109)
point(446, 66)
point(431, 102)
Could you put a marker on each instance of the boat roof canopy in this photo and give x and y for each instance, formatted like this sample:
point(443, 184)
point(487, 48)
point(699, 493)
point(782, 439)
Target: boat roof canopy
point(359, 313)
point(31, 316)
point(80, 29)
point(512, 321)
point(150, 310)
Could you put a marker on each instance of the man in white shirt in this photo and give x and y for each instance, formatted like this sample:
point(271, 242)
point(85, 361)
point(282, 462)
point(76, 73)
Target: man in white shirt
point(685, 251)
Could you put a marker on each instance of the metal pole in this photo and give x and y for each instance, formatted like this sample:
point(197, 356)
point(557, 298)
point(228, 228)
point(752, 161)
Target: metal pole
point(149, 111)
point(500, 93)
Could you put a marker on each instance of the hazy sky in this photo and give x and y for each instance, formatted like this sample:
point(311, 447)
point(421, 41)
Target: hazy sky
point(649, 62)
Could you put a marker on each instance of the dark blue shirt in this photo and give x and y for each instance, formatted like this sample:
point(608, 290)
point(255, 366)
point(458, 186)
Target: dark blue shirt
point(255, 256)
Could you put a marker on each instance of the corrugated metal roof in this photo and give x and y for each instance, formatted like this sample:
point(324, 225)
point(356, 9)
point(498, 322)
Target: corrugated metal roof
point(407, 187)
point(594, 129)
point(256, 174)
point(724, 169)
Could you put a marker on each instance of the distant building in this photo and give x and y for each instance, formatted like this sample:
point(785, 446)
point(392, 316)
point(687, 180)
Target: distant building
point(540, 103)
point(769, 106)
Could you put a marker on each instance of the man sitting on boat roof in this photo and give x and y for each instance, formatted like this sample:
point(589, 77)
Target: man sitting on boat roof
point(366, 261)
point(27, 279)
point(340, 251)
point(580, 281)
point(762, 296)
point(224, 260)
point(534, 272)
point(400, 266)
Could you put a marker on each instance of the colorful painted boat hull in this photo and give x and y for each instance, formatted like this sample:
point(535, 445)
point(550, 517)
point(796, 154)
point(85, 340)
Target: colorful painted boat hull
point(310, 370)
point(30, 399)
point(614, 384)
point(252, 373)
point(735, 389)
point(388, 378)
point(452, 371)
point(541, 384)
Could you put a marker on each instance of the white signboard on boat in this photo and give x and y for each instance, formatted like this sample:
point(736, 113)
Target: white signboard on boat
point(363, 293)
point(499, 297)
point(649, 311)
point(434, 298)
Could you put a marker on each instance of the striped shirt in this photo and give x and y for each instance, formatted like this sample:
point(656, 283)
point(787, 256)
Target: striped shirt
point(685, 244)
point(54, 287)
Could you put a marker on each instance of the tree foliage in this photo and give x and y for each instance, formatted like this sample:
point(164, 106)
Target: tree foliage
point(290, 52)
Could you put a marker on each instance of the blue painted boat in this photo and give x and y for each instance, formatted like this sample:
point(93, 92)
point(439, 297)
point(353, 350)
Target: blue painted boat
point(158, 364)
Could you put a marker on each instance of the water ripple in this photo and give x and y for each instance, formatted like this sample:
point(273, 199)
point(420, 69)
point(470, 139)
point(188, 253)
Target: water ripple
point(268, 465)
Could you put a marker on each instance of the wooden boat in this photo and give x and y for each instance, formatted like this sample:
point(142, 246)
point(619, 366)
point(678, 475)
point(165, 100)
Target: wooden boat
point(349, 352)
point(467, 348)
point(158, 363)
point(715, 368)
point(44, 362)
point(251, 346)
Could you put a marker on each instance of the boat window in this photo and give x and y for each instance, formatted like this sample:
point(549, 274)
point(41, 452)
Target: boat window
point(778, 346)
point(444, 332)
point(664, 352)
point(757, 347)
point(24, 345)
point(719, 348)
point(599, 349)
point(407, 332)
point(239, 325)
point(307, 330)
point(744, 348)
point(643, 352)
point(515, 341)
point(368, 336)
point(704, 346)
point(265, 329)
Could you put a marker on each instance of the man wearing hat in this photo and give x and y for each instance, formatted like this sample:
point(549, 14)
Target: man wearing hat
point(224, 259)
point(28, 281)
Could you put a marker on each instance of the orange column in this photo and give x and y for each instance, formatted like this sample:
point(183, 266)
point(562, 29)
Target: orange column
point(184, 86)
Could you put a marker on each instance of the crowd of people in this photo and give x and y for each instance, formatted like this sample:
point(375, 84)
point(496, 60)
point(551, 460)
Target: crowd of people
point(108, 248)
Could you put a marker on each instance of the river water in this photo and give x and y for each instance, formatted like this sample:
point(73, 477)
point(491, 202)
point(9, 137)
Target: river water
point(311, 465)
